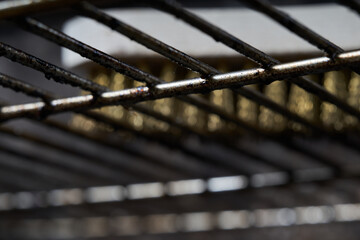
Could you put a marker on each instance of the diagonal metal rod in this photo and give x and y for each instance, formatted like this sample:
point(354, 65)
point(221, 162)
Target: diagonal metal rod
point(293, 25)
point(298, 28)
point(166, 50)
point(184, 87)
point(101, 58)
point(115, 124)
point(138, 173)
point(252, 53)
point(187, 86)
point(30, 90)
point(51, 71)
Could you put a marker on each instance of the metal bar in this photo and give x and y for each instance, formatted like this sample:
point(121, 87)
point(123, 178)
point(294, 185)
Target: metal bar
point(60, 75)
point(35, 92)
point(102, 58)
point(87, 51)
point(136, 35)
point(51, 71)
point(19, 86)
point(215, 32)
point(298, 28)
point(209, 160)
point(175, 55)
point(266, 61)
point(169, 52)
point(27, 88)
point(184, 87)
point(295, 26)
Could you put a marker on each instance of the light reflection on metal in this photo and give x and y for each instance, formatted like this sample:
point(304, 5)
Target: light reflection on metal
point(227, 80)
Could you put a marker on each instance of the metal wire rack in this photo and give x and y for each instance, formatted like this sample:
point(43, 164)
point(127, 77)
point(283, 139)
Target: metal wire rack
point(139, 185)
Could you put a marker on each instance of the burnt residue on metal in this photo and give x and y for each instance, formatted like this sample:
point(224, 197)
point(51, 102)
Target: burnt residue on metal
point(87, 51)
point(19, 86)
point(146, 40)
point(196, 85)
point(252, 53)
point(51, 71)
point(295, 26)
point(182, 59)
point(26, 88)
point(298, 28)
point(179, 57)
point(29, 90)
point(215, 32)
point(206, 106)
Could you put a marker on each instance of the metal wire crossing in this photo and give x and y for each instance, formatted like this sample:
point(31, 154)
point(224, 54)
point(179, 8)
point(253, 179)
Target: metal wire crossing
point(146, 165)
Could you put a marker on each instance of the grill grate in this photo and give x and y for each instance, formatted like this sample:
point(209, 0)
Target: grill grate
point(37, 174)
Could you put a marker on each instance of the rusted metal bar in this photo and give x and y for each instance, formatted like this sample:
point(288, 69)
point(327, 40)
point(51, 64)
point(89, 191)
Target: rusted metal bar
point(27, 88)
point(136, 35)
point(31, 90)
point(184, 87)
point(160, 47)
point(88, 51)
point(18, 86)
point(252, 53)
point(298, 28)
point(109, 61)
point(294, 26)
point(51, 71)
point(169, 52)
point(181, 87)
point(215, 32)
point(115, 124)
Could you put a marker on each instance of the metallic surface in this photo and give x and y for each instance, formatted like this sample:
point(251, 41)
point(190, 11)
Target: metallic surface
point(227, 80)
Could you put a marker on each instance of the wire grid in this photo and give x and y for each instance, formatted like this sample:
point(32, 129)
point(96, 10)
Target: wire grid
point(211, 79)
